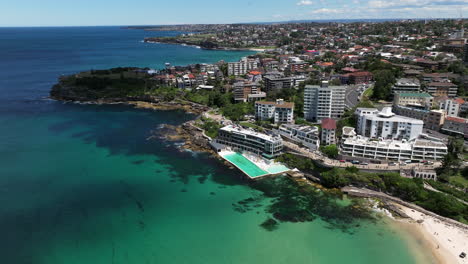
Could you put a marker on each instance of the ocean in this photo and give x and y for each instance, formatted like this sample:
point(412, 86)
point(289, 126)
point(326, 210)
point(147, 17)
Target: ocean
point(90, 184)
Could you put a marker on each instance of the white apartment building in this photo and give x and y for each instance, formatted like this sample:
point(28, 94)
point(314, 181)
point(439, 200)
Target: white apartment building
point(328, 131)
point(361, 112)
point(324, 101)
point(387, 125)
point(243, 66)
point(452, 106)
point(306, 135)
point(280, 111)
point(393, 150)
point(237, 138)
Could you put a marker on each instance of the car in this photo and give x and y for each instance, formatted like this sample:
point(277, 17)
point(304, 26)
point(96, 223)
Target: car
point(342, 161)
point(392, 164)
point(365, 163)
point(355, 162)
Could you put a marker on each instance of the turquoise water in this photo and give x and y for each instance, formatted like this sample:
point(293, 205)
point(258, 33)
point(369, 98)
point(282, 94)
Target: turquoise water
point(91, 184)
point(274, 169)
point(245, 165)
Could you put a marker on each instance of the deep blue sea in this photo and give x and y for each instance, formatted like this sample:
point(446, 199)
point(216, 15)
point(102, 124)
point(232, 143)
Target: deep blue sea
point(87, 183)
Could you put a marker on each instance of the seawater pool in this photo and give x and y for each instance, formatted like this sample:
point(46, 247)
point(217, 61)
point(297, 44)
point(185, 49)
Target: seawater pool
point(245, 165)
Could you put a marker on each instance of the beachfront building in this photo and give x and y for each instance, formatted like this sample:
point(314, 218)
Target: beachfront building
point(307, 136)
point(387, 125)
point(393, 150)
point(328, 135)
point(413, 99)
point(243, 66)
point(280, 111)
point(323, 101)
point(239, 139)
point(406, 85)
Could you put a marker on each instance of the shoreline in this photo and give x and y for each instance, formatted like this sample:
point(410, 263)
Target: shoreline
point(445, 237)
point(446, 241)
point(205, 48)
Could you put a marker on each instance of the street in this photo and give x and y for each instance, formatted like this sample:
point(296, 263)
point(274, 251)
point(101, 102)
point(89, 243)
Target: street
point(352, 96)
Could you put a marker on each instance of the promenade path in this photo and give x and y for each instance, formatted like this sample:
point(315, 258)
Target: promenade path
point(317, 156)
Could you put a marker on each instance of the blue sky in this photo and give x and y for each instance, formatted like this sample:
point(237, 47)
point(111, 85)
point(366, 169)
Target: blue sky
point(144, 12)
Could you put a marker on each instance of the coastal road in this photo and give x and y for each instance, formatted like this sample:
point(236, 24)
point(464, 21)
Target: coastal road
point(352, 96)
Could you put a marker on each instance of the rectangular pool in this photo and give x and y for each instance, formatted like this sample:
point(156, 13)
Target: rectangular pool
point(245, 165)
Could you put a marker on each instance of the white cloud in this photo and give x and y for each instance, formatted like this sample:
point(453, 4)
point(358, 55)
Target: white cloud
point(305, 3)
point(414, 3)
point(326, 11)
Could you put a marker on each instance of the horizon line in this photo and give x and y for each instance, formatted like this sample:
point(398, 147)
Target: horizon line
point(234, 23)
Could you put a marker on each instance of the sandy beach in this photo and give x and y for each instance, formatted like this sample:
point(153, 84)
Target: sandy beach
point(445, 240)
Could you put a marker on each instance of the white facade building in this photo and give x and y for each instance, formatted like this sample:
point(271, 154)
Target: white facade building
point(394, 150)
point(452, 106)
point(324, 102)
point(305, 135)
point(237, 138)
point(243, 66)
point(387, 125)
point(280, 111)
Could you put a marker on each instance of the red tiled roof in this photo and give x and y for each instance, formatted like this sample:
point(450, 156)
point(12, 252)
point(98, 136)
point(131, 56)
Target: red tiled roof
point(255, 72)
point(457, 119)
point(459, 100)
point(363, 73)
point(328, 123)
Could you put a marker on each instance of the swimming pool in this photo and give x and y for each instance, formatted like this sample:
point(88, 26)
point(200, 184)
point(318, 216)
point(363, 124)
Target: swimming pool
point(245, 165)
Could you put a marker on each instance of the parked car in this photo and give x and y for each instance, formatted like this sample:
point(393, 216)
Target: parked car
point(342, 161)
point(355, 162)
point(392, 164)
point(365, 163)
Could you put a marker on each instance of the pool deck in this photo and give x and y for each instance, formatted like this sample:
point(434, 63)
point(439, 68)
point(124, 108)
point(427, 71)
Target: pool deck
point(259, 165)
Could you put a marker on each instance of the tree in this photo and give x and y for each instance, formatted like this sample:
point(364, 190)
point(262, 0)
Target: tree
point(384, 80)
point(331, 151)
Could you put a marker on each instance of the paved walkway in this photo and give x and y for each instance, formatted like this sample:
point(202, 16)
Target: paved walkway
point(317, 156)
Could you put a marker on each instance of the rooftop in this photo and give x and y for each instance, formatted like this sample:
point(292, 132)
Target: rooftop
point(328, 123)
point(457, 119)
point(240, 130)
point(278, 103)
point(441, 84)
point(407, 81)
point(394, 144)
point(414, 95)
point(302, 128)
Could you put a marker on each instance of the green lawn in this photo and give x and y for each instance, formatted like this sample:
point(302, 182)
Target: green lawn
point(368, 93)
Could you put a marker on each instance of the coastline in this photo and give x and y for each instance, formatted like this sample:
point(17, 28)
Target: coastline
point(446, 241)
point(205, 48)
point(443, 239)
